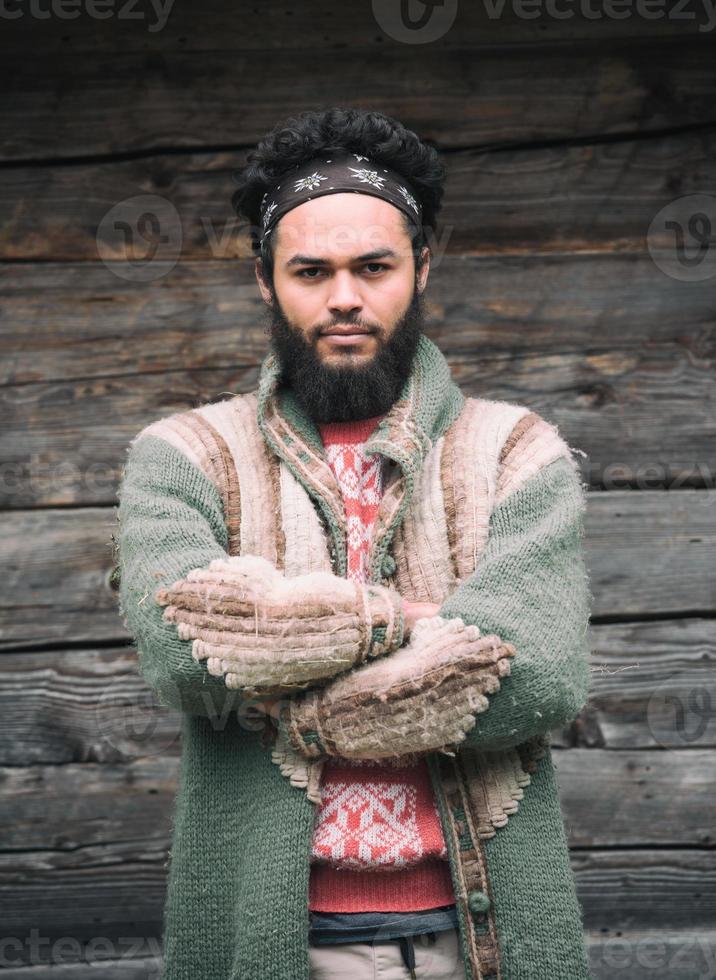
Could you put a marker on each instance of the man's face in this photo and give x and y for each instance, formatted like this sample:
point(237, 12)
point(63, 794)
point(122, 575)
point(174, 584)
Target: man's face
point(344, 261)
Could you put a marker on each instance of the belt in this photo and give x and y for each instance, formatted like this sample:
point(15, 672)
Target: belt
point(359, 927)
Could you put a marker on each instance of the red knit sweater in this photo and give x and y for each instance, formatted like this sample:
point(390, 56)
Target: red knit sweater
point(378, 844)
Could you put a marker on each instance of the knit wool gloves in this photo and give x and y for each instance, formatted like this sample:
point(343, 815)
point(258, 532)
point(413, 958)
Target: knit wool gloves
point(421, 698)
point(272, 635)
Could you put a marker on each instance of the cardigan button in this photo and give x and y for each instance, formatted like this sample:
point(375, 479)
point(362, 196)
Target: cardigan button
point(478, 902)
point(388, 566)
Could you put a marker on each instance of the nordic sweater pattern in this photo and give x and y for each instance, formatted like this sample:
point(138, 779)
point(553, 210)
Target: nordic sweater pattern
point(486, 518)
point(360, 479)
point(373, 819)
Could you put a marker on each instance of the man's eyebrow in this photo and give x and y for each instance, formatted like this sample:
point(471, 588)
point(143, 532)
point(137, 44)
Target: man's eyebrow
point(380, 253)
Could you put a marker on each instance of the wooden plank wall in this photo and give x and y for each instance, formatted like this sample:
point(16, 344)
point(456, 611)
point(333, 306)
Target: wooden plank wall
point(564, 138)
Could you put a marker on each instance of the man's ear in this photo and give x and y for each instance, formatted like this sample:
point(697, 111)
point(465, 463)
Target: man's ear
point(260, 279)
point(424, 268)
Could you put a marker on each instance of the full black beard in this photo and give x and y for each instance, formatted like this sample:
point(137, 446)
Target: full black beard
point(347, 393)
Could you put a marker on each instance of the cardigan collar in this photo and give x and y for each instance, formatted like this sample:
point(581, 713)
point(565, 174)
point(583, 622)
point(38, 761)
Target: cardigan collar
point(428, 404)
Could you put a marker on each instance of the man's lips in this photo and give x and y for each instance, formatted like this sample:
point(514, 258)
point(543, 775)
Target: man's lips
point(344, 331)
point(344, 336)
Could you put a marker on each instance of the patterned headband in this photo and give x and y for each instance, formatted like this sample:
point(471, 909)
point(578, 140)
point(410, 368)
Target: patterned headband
point(332, 175)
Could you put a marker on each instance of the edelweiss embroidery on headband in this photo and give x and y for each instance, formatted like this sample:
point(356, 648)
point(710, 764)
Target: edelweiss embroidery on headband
point(308, 183)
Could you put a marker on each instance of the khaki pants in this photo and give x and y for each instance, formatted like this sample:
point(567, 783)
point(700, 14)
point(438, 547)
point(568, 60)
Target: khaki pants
point(437, 957)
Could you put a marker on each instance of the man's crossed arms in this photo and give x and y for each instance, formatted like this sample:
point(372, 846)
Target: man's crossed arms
point(356, 669)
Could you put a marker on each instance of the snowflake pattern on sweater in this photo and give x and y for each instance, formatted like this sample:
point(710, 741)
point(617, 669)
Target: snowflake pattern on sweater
point(361, 481)
point(387, 819)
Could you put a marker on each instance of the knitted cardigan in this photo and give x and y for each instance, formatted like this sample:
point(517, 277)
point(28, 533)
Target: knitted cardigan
point(483, 514)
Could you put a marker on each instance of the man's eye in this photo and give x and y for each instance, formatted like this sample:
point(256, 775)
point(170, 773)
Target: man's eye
point(377, 267)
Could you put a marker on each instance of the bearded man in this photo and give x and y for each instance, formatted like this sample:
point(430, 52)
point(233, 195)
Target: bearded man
point(366, 593)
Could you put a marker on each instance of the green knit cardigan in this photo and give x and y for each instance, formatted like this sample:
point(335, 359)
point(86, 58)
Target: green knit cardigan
point(238, 876)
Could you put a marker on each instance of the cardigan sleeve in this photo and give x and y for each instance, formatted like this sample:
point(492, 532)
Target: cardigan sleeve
point(171, 520)
point(172, 525)
point(531, 587)
point(529, 595)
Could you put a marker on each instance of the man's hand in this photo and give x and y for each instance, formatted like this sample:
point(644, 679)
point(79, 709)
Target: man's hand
point(413, 611)
point(268, 634)
point(424, 696)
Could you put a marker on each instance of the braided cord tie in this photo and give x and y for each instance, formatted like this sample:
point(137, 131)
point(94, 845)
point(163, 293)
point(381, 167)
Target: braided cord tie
point(364, 597)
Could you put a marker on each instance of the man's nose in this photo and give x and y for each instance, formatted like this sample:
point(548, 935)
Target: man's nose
point(345, 293)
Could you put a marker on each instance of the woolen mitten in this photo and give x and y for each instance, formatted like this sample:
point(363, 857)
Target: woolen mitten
point(268, 634)
point(424, 696)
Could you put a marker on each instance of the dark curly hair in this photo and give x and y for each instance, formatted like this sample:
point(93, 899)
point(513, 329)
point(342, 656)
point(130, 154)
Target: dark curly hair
point(300, 138)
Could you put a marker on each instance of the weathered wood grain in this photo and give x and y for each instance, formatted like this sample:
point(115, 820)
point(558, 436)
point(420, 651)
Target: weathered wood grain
point(646, 889)
point(648, 552)
point(88, 848)
point(92, 705)
point(591, 197)
point(94, 964)
point(131, 102)
point(639, 670)
point(610, 798)
point(75, 706)
point(628, 954)
point(64, 321)
point(651, 551)
point(614, 352)
point(282, 27)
